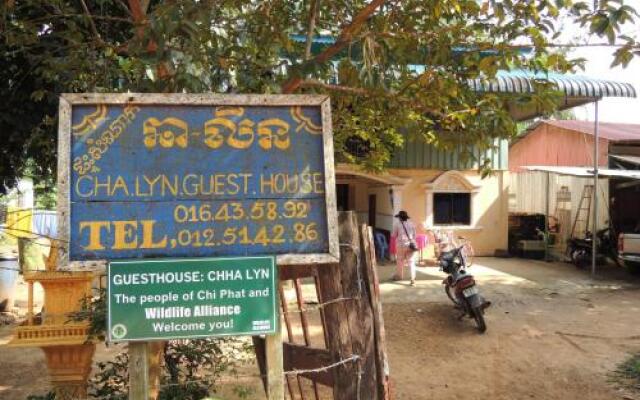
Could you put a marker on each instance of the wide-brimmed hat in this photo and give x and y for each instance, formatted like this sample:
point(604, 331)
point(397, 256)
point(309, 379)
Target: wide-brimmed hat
point(402, 215)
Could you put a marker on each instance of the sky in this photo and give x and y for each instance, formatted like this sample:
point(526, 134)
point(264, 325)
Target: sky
point(622, 110)
point(611, 109)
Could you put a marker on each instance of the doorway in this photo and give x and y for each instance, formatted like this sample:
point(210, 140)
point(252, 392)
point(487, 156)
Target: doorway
point(342, 196)
point(372, 210)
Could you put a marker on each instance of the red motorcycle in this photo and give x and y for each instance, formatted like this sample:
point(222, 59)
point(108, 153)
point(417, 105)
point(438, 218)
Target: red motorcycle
point(461, 287)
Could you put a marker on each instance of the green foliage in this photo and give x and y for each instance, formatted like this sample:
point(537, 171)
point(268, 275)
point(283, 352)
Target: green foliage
point(93, 310)
point(399, 71)
point(112, 379)
point(47, 396)
point(191, 369)
point(627, 374)
point(45, 195)
point(243, 392)
point(44, 188)
point(192, 366)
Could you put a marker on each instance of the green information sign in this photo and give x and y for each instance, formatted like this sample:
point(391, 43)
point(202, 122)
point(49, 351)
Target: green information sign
point(189, 298)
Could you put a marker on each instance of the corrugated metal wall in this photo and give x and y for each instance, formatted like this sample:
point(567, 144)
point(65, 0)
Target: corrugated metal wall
point(527, 194)
point(551, 145)
point(416, 154)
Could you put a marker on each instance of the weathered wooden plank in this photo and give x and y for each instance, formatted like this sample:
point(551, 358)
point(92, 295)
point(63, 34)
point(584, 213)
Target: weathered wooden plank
point(298, 357)
point(371, 276)
point(338, 336)
point(64, 178)
point(195, 99)
point(359, 312)
point(325, 333)
point(291, 272)
point(156, 359)
point(299, 259)
point(259, 347)
point(305, 323)
point(330, 179)
point(275, 369)
point(143, 370)
point(290, 336)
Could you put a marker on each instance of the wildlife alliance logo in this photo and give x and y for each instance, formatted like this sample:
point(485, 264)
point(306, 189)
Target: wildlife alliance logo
point(118, 331)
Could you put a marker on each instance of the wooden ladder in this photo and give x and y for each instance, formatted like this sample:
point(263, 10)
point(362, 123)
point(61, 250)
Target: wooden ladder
point(584, 205)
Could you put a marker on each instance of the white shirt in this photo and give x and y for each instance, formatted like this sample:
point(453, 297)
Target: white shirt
point(402, 239)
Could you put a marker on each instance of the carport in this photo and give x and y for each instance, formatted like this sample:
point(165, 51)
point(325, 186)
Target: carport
point(575, 91)
point(583, 172)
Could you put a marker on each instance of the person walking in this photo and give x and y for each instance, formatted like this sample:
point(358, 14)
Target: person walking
point(404, 232)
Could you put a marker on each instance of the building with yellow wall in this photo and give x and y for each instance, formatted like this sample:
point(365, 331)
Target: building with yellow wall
point(440, 191)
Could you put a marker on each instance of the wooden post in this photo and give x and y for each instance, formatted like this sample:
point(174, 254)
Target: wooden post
point(349, 322)
point(274, 358)
point(22, 248)
point(382, 362)
point(30, 303)
point(359, 311)
point(338, 338)
point(285, 314)
point(138, 371)
point(144, 370)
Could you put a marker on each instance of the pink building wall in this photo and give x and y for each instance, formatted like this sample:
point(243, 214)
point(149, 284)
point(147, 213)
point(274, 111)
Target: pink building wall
point(555, 146)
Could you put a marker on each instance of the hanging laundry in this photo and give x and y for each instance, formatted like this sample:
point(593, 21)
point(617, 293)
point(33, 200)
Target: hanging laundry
point(45, 223)
point(19, 222)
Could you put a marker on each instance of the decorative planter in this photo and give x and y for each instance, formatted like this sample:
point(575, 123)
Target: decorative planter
point(68, 352)
point(69, 368)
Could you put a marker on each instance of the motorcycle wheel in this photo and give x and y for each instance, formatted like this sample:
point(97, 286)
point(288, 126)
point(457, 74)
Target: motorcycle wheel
point(633, 268)
point(450, 295)
point(579, 257)
point(478, 316)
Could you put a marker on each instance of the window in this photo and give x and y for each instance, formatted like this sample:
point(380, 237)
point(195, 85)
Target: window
point(449, 200)
point(452, 208)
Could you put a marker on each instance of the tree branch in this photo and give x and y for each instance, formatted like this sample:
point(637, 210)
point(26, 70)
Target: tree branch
point(313, 11)
point(144, 5)
point(343, 40)
point(139, 12)
point(92, 23)
point(338, 88)
point(123, 6)
point(357, 91)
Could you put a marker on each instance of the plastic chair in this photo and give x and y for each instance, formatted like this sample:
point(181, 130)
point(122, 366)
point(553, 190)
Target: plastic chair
point(380, 243)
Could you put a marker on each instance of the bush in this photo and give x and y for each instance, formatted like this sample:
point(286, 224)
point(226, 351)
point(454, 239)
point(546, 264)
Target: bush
point(191, 370)
point(112, 379)
point(627, 374)
point(48, 396)
point(191, 366)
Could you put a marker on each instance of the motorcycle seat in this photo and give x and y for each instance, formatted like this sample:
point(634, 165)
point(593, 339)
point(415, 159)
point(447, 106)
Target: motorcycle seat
point(447, 255)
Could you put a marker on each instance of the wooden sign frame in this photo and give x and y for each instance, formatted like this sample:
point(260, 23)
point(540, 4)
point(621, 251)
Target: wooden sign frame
point(67, 101)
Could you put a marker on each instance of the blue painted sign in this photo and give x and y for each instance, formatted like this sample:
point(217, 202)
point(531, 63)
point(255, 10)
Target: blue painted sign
point(198, 180)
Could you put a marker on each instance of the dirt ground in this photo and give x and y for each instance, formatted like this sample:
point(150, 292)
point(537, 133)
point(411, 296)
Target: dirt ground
point(553, 333)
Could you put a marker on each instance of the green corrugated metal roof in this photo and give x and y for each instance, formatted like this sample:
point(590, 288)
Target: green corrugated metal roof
point(521, 81)
point(417, 155)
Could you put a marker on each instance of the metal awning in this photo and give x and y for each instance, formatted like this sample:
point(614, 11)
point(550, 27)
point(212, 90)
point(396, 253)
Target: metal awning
point(577, 90)
point(522, 81)
point(586, 172)
point(630, 159)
